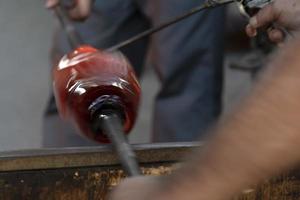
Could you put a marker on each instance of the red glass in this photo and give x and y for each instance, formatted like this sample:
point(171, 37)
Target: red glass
point(86, 77)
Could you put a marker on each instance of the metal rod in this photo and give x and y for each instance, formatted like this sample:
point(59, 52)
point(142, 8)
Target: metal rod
point(112, 126)
point(208, 4)
point(72, 35)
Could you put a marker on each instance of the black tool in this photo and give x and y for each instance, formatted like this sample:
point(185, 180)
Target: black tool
point(247, 6)
point(71, 33)
point(73, 37)
point(111, 124)
point(207, 5)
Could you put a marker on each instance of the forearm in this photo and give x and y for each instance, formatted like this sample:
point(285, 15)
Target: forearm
point(260, 138)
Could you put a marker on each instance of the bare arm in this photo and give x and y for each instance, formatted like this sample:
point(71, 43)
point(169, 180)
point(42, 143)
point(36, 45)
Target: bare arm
point(259, 139)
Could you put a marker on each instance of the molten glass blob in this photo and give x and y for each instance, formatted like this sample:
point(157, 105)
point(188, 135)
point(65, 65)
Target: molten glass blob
point(88, 81)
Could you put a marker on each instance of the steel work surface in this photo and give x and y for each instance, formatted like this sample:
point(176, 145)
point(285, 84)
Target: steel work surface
point(89, 173)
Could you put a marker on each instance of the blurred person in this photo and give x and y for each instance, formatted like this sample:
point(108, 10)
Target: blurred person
point(191, 75)
point(259, 139)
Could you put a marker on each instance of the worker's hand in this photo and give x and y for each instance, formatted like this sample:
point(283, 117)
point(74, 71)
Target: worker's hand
point(140, 188)
point(79, 10)
point(283, 13)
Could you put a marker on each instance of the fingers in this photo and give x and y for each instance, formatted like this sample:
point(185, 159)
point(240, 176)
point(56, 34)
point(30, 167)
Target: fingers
point(51, 3)
point(266, 16)
point(251, 32)
point(276, 35)
point(81, 10)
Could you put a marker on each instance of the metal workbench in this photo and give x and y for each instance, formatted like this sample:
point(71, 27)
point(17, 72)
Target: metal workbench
point(89, 173)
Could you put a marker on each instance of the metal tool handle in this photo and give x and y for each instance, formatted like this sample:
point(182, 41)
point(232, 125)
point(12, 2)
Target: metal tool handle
point(74, 38)
point(72, 35)
point(112, 126)
point(208, 4)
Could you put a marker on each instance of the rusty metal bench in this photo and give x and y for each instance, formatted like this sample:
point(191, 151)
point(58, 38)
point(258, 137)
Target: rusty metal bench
point(89, 173)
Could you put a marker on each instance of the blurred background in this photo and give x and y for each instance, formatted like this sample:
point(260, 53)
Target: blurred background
point(25, 39)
